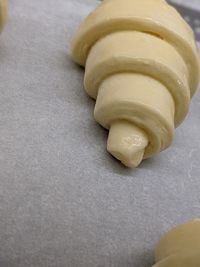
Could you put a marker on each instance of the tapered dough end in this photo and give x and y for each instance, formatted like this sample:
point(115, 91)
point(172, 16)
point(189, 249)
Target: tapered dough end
point(127, 143)
point(3, 13)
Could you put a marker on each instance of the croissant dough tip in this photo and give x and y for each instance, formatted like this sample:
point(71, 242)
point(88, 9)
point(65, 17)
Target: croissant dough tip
point(127, 143)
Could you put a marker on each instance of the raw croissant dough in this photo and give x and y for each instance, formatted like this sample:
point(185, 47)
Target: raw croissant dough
point(142, 67)
point(180, 247)
point(3, 13)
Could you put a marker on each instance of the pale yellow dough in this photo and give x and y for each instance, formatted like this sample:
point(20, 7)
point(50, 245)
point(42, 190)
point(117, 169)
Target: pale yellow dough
point(142, 67)
point(180, 247)
point(3, 13)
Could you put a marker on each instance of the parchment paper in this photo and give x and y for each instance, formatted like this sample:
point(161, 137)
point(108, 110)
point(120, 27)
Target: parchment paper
point(64, 201)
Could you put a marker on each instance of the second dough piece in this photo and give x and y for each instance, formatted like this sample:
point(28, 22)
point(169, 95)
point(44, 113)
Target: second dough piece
point(3, 13)
point(180, 247)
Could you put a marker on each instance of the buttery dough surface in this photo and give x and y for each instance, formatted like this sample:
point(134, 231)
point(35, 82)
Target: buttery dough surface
point(142, 16)
point(142, 67)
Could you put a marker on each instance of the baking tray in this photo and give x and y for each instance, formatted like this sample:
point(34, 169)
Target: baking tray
point(191, 15)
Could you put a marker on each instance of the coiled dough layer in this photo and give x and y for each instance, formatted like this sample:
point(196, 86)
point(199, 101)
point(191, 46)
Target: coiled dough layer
point(128, 96)
point(142, 66)
point(180, 247)
point(137, 52)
